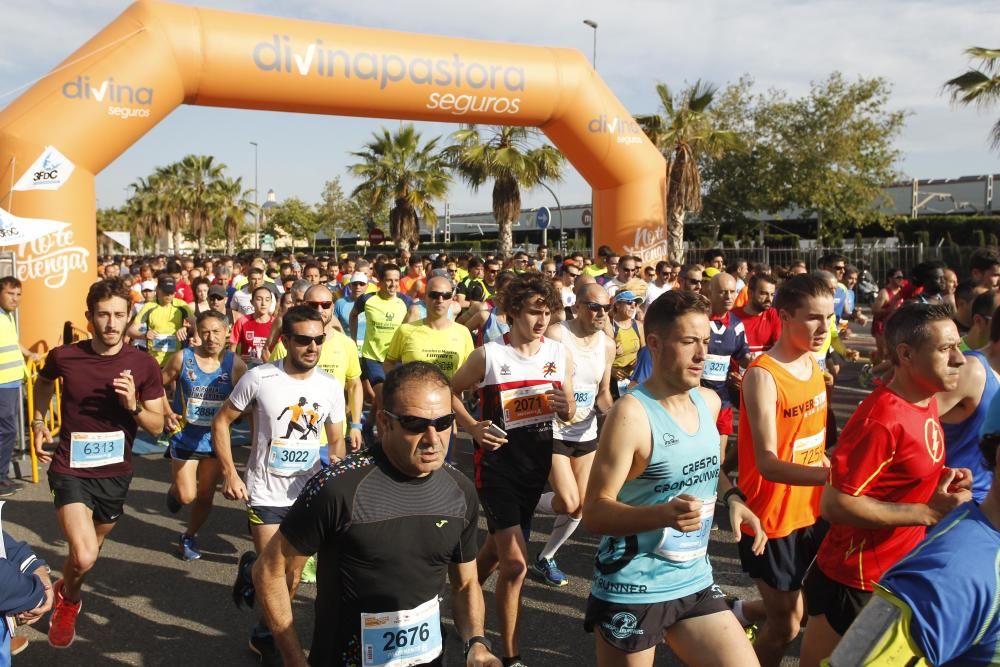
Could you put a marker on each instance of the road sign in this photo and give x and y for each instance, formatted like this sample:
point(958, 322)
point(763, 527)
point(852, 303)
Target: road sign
point(543, 217)
point(376, 236)
point(587, 218)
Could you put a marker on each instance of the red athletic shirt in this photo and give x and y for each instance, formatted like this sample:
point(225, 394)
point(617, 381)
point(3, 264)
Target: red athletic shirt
point(762, 329)
point(251, 337)
point(184, 291)
point(890, 450)
point(89, 402)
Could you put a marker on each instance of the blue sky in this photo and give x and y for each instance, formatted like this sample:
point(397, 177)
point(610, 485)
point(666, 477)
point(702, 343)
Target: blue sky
point(780, 43)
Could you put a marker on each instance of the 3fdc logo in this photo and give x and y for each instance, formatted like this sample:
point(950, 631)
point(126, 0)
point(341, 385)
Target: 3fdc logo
point(49, 172)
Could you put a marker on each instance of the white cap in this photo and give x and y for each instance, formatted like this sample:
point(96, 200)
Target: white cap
point(359, 277)
point(149, 285)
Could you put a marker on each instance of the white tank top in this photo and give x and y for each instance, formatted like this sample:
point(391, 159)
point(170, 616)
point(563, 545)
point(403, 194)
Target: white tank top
point(588, 369)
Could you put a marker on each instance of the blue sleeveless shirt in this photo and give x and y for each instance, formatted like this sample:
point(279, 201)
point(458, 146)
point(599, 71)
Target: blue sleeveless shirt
point(198, 397)
point(961, 441)
point(664, 564)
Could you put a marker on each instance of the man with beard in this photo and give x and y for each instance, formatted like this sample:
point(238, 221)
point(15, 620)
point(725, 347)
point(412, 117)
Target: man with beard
point(110, 390)
point(278, 467)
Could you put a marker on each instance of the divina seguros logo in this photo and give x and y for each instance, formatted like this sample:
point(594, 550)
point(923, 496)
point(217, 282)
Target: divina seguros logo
point(126, 100)
point(625, 130)
point(282, 56)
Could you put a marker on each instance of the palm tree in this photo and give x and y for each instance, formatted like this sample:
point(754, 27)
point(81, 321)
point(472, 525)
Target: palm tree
point(395, 169)
point(198, 175)
point(235, 207)
point(683, 133)
point(168, 203)
point(510, 159)
point(980, 87)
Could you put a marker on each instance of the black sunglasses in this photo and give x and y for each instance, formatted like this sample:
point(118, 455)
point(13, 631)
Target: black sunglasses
point(215, 296)
point(319, 305)
point(303, 340)
point(595, 307)
point(434, 294)
point(416, 425)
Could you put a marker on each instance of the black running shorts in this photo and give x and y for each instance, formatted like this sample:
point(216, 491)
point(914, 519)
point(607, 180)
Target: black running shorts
point(104, 496)
point(839, 603)
point(785, 560)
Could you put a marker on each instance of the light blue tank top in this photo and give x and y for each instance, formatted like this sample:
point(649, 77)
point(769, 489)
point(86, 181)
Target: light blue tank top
point(961, 441)
point(661, 565)
point(198, 397)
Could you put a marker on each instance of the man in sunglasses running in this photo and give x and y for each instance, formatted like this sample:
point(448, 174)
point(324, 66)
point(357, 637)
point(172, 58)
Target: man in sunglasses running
point(574, 442)
point(278, 468)
point(525, 381)
point(388, 523)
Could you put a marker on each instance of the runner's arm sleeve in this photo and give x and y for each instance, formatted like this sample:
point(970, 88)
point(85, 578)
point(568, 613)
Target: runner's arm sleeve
point(245, 391)
point(468, 546)
point(858, 462)
point(51, 371)
point(359, 303)
point(879, 637)
point(395, 350)
point(149, 383)
point(317, 515)
point(353, 362)
point(20, 590)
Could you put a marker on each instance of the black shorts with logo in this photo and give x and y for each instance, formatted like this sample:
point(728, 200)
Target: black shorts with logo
point(839, 603)
point(573, 449)
point(632, 628)
point(785, 560)
point(104, 496)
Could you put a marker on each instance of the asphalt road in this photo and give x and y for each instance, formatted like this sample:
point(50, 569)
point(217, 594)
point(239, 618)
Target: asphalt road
point(144, 606)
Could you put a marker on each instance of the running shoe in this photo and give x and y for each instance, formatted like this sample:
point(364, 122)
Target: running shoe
point(752, 628)
point(8, 487)
point(549, 572)
point(308, 575)
point(18, 644)
point(173, 505)
point(266, 649)
point(243, 589)
point(62, 623)
point(187, 547)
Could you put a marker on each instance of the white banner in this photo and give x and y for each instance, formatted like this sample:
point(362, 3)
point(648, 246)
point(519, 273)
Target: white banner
point(15, 230)
point(49, 172)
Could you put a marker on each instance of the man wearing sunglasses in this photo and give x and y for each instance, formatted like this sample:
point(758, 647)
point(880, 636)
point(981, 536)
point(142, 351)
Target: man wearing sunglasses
point(574, 442)
point(525, 380)
point(339, 358)
point(395, 505)
point(691, 276)
point(660, 284)
point(623, 270)
point(355, 289)
point(278, 467)
point(435, 339)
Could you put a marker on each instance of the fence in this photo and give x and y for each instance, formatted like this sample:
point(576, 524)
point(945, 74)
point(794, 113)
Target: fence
point(54, 418)
point(878, 259)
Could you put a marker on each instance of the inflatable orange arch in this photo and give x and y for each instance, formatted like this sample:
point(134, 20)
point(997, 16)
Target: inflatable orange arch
point(157, 56)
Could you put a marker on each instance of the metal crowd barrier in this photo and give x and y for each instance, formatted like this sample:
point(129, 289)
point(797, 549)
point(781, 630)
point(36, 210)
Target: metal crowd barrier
point(53, 419)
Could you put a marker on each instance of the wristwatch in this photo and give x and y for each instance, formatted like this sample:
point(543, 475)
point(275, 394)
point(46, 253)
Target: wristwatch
point(478, 639)
point(735, 491)
point(138, 409)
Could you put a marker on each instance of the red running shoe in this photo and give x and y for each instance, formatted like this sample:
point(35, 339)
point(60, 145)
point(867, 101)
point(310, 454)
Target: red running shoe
point(62, 623)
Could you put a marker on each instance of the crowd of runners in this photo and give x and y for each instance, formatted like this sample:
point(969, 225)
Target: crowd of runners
point(634, 399)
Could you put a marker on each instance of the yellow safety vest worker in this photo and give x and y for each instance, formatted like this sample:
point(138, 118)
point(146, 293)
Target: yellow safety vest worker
point(12, 368)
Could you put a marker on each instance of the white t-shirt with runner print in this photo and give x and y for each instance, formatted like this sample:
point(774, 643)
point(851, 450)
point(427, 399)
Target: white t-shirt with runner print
point(288, 417)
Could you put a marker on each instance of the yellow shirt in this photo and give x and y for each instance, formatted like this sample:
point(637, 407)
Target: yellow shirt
point(338, 357)
point(445, 348)
point(164, 322)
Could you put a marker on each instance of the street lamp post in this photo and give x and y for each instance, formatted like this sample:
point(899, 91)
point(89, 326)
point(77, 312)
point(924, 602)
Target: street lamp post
point(562, 232)
point(256, 195)
point(593, 24)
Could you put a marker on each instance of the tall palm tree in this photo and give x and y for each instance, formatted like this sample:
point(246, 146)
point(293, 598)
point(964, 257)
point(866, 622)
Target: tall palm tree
point(395, 169)
point(168, 203)
point(980, 87)
point(198, 175)
point(684, 132)
point(509, 157)
point(236, 207)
